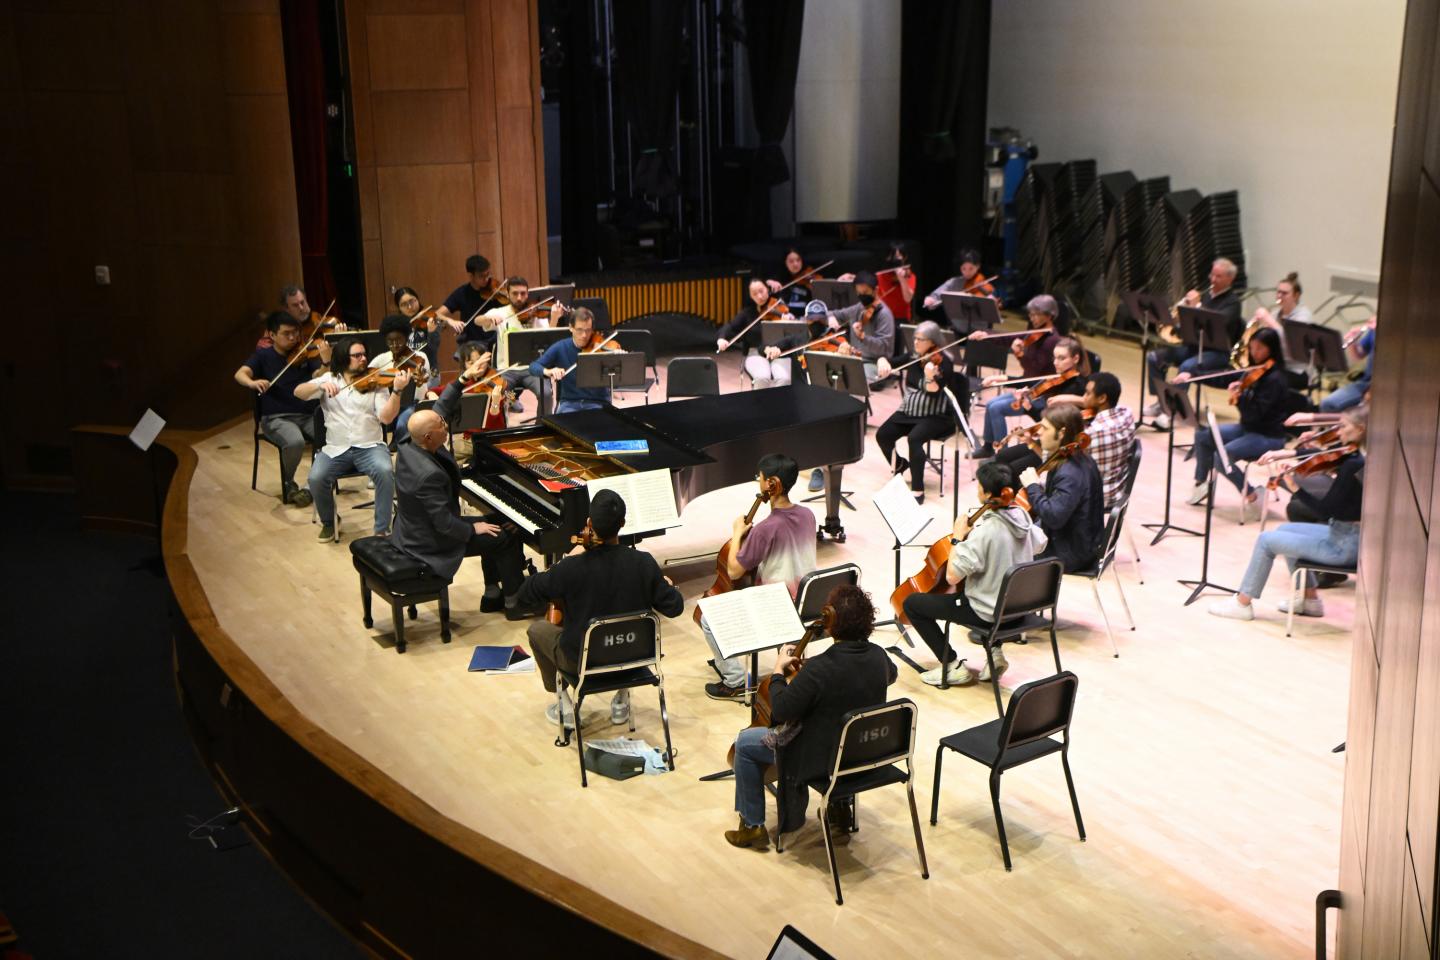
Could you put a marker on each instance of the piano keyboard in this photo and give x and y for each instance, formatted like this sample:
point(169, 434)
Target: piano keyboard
point(505, 506)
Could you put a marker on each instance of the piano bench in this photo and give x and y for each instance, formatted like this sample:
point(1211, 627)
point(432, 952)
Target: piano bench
point(402, 581)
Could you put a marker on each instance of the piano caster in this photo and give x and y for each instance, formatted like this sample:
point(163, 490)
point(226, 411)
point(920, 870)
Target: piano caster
point(831, 528)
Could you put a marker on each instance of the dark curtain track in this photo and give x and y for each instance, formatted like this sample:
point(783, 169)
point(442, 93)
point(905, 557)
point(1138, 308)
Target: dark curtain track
point(649, 41)
point(305, 90)
point(945, 52)
point(772, 47)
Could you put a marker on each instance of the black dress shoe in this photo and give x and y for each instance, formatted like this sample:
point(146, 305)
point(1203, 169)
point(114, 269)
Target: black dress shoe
point(901, 464)
point(492, 604)
point(514, 611)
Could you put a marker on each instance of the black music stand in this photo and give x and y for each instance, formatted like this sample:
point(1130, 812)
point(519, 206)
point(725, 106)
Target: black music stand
point(563, 292)
point(527, 346)
point(1320, 346)
point(845, 374)
point(609, 369)
point(773, 331)
point(1149, 311)
point(1175, 401)
point(1205, 330)
point(835, 294)
point(967, 312)
point(1221, 462)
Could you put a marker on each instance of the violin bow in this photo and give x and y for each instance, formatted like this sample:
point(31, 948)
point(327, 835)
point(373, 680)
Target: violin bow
point(1219, 373)
point(741, 335)
point(812, 343)
point(300, 351)
point(929, 354)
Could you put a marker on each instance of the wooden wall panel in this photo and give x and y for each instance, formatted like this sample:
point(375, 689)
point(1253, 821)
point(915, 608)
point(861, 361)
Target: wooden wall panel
point(443, 172)
point(1360, 735)
point(156, 142)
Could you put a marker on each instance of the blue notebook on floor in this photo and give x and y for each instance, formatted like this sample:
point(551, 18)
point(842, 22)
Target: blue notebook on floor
point(500, 660)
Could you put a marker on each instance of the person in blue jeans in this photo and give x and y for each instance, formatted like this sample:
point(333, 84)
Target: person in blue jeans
point(1263, 409)
point(557, 362)
point(807, 707)
point(1333, 542)
point(1352, 394)
point(354, 440)
point(1222, 297)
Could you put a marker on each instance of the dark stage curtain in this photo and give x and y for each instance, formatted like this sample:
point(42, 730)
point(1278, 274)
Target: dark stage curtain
point(945, 51)
point(772, 47)
point(305, 91)
point(648, 41)
point(583, 143)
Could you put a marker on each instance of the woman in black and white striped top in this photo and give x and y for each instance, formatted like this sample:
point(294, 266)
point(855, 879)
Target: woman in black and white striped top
point(924, 412)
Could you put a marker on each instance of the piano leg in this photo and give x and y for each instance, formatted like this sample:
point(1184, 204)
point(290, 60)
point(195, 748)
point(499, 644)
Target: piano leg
point(834, 496)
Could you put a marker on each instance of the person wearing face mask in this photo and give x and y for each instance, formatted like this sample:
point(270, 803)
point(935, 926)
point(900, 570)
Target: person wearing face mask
point(869, 326)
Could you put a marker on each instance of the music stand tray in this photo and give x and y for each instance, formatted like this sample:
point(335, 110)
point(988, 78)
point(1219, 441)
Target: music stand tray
point(609, 369)
point(967, 312)
point(563, 292)
point(846, 374)
point(1205, 329)
point(1319, 346)
point(835, 294)
point(773, 331)
point(1147, 309)
point(526, 346)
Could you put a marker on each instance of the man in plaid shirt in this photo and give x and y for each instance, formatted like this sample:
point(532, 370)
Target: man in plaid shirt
point(1112, 432)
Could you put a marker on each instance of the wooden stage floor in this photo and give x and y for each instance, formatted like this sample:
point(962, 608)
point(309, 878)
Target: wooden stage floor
point(1202, 756)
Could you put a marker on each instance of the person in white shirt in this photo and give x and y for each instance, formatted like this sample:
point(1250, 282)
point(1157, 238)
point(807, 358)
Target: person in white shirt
point(518, 314)
point(354, 439)
point(396, 331)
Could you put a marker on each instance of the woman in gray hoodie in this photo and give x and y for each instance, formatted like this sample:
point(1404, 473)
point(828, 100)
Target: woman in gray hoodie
point(979, 559)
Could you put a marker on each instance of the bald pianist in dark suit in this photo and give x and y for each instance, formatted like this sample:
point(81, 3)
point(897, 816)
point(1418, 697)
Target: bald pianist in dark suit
point(428, 525)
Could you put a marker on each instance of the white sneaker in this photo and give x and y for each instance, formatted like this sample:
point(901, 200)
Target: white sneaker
point(1308, 607)
point(1001, 665)
point(1151, 409)
point(960, 675)
point(1162, 422)
point(1232, 609)
point(620, 707)
point(1198, 495)
point(552, 713)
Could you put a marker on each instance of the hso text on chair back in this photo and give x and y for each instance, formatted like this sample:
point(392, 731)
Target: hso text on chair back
point(1030, 588)
point(622, 642)
point(814, 588)
point(874, 737)
point(692, 377)
point(1039, 709)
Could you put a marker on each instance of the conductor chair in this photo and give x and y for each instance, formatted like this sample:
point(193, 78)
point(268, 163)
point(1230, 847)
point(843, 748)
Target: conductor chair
point(873, 742)
point(617, 653)
point(1038, 712)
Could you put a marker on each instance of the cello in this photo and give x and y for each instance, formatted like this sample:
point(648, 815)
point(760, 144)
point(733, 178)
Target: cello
point(760, 705)
point(586, 538)
point(723, 581)
point(931, 578)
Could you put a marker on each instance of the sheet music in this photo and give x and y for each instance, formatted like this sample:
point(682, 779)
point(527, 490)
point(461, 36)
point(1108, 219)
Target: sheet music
point(649, 499)
point(756, 618)
point(897, 506)
point(147, 429)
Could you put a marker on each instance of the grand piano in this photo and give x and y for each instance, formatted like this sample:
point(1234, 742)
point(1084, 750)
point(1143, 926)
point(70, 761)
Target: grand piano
point(534, 475)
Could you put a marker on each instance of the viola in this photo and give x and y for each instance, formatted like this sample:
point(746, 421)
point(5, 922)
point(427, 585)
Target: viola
point(931, 578)
point(760, 706)
point(1044, 386)
point(1251, 377)
point(588, 539)
point(1064, 452)
point(723, 581)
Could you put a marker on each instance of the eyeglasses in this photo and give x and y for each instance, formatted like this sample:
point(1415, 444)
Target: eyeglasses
point(360, 355)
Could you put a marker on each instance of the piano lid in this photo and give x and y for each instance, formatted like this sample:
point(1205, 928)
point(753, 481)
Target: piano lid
point(707, 421)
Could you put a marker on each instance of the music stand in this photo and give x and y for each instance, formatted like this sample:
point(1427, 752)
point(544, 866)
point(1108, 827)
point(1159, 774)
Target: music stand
point(609, 369)
point(1205, 330)
point(845, 374)
point(563, 292)
point(1220, 463)
point(525, 346)
point(773, 331)
point(967, 312)
point(1148, 310)
point(835, 294)
point(1174, 401)
point(1321, 346)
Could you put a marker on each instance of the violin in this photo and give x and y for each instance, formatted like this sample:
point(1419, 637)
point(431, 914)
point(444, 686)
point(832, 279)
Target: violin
point(931, 578)
point(588, 539)
point(1044, 386)
point(760, 705)
point(412, 363)
point(492, 383)
point(422, 319)
point(495, 293)
point(1062, 453)
point(723, 582)
point(1251, 377)
point(1320, 462)
point(773, 309)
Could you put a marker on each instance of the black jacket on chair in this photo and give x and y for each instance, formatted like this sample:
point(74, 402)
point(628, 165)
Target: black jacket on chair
point(848, 676)
point(1070, 506)
point(427, 517)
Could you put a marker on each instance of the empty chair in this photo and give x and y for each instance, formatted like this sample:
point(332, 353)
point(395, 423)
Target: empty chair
point(691, 377)
point(1039, 711)
point(1105, 561)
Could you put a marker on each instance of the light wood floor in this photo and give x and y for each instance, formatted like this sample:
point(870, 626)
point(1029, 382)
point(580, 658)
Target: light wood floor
point(1201, 756)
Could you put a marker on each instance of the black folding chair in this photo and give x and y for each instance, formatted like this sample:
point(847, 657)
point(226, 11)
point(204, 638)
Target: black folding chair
point(1132, 470)
point(598, 307)
point(691, 377)
point(873, 741)
point(1026, 591)
point(1039, 711)
point(255, 460)
point(618, 653)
